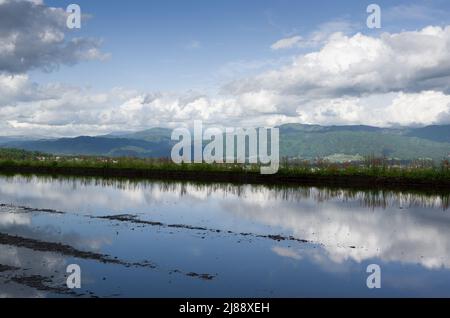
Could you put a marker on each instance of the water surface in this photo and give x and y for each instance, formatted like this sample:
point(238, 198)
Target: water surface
point(155, 239)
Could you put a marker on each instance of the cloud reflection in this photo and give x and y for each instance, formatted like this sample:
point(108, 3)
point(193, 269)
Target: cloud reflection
point(390, 226)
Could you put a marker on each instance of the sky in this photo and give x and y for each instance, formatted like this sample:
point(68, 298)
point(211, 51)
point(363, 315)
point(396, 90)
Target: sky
point(139, 64)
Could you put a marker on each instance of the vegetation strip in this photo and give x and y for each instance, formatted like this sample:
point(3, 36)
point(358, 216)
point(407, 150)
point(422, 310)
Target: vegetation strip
point(363, 178)
point(371, 172)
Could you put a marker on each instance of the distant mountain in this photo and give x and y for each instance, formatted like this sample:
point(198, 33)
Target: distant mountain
point(9, 139)
point(291, 128)
point(97, 146)
point(296, 140)
point(117, 134)
point(311, 142)
point(435, 133)
point(153, 135)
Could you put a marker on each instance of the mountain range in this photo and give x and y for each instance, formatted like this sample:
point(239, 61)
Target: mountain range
point(336, 143)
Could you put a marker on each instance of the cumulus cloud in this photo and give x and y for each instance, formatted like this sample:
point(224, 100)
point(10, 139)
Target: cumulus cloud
point(386, 80)
point(315, 38)
point(360, 64)
point(33, 36)
point(59, 110)
point(383, 110)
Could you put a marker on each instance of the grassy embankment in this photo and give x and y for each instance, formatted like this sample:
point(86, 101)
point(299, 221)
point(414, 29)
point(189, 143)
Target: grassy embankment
point(370, 173)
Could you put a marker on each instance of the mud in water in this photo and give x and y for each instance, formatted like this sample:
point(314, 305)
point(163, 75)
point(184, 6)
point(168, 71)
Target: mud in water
point(133, 219)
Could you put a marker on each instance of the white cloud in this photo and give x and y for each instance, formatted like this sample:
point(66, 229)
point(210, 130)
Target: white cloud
point(33, 36)
point(360, 64)
point(287, 43)
point(68, 111)
point(386, 80)
point(391, 109)
point(317, 37)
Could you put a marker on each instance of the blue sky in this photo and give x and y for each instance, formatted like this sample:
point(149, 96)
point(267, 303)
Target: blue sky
point(187, 45)
point(140, 64)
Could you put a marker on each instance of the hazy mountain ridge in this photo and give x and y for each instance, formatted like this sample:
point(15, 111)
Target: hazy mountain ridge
point(296, 140)
point(98, 146)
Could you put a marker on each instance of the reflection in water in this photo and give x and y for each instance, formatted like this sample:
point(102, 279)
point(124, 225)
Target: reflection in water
point(38, 261)
point(366, 198)
point(346, 227)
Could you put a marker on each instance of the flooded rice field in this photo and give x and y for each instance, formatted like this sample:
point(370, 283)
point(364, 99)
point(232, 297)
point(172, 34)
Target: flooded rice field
point(162, 239)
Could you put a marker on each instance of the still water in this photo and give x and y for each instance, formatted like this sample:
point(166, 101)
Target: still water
point(156, 239)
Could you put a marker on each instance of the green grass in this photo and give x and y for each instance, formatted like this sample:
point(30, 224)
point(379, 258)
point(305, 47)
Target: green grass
point(18, 154)
point(432, 173)
point(371, 168)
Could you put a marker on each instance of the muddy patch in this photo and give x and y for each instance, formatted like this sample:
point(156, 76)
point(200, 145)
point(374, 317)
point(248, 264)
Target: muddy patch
point(41, 283)
point(66, 250)
point(134, 219)
point(201, 276)
point(25, 209)
point(7, 268)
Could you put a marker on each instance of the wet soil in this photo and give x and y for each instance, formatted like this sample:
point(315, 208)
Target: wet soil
point(133, 219)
